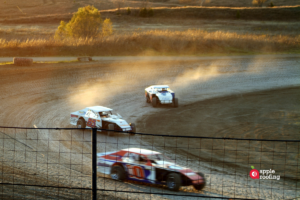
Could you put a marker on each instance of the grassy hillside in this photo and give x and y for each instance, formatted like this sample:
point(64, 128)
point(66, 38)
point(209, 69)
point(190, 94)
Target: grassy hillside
point(277, 13)
point(290, 13)
point(17, 8)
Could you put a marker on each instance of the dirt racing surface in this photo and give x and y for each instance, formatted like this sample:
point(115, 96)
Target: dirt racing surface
point(259, 115)
point(213, 101)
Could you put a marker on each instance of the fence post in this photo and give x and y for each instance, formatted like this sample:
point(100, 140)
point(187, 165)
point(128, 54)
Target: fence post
point(94, 163)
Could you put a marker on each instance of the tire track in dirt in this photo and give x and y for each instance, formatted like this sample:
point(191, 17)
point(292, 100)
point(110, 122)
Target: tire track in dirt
point(48, 101)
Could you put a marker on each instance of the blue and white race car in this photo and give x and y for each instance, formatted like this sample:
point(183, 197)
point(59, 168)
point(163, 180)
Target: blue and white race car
point(160, 94)
point(149, 167)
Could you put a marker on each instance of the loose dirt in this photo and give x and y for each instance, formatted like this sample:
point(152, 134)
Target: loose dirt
point(44, 94)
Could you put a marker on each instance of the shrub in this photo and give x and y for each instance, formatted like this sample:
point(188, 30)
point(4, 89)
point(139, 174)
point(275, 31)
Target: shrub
point(143, 12)
point(146, 13)
point(150, 12)
point(271, 4)
point(238, 15)
point(61, 31)
point(107, 27)
point(258, 2)
point(128, 11)
point(84, 23)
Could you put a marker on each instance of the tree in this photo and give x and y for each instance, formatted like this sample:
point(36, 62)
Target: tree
point(84, 23)
point(61, 31)
point(258, 2)
point(107, 27)
point(128, 11)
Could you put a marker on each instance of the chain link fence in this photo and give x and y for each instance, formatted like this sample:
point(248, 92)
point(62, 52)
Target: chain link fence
point(57, 164)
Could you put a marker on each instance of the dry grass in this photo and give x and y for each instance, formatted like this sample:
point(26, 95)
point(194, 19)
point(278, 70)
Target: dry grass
point(24, 33)
point(155, 42)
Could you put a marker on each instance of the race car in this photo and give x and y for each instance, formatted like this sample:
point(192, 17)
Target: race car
point(100, 117)
point(160, 94)
point(149, 167)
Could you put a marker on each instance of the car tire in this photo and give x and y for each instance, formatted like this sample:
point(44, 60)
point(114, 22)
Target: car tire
point(200, 186)
point(175, 102)
point(118, 173)
point(110, 128)
point(81, 123)
point(174, 181)
point(147, 99)
point(154, 101)
point(133, 127)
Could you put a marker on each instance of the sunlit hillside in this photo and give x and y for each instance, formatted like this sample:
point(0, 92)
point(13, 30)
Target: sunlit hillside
point(18, 8)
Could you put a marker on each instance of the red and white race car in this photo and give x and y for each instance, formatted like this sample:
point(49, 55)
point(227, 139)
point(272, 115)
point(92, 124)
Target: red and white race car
point(149, 167)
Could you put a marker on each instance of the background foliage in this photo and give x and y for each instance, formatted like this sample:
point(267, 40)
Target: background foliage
point(85, 23)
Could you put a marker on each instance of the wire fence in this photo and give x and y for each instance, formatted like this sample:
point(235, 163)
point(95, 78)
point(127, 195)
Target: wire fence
point(57, 164)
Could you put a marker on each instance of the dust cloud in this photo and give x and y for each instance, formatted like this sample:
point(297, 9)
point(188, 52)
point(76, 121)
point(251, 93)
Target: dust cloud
point(182, 77)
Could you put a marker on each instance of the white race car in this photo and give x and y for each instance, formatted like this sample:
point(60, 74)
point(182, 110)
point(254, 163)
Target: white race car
point(102, 118)
point(149, 167)
point(160, 94)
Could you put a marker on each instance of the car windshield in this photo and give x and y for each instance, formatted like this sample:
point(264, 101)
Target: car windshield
point(107, 114)
point(158, 157)
point(104, 113)
point(162, 89)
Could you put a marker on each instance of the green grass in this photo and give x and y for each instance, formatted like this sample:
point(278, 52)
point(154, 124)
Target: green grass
point(6, 63)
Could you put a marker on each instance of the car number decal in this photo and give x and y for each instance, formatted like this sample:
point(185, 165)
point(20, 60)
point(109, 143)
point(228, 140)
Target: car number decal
point(136, 172)
point(91, 122)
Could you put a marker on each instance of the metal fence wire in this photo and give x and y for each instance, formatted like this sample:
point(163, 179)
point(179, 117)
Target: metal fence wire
point(44, 163)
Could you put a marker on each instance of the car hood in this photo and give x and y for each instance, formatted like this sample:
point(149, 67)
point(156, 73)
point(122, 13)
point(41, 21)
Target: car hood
point(120, 122)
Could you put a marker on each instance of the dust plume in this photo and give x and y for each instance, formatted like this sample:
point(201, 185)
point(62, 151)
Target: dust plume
point(105, 88)
point(215, 78)
point(184, 77)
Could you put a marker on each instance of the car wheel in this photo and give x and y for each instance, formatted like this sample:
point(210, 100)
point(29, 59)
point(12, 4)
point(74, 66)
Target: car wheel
point(81, 123)
point(175, 102)
point(133, 131)
point(147, 99)
point(174, 181)
point(200, 186)
point(118, 173)
point(154, 101)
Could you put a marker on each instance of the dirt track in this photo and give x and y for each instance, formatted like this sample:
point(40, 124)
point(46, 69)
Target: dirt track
point(44, 94)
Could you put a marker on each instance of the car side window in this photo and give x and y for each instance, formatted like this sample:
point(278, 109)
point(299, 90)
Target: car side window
point(91, 114)
point(134, 157)
point(87, 114)
point(142, 159)
point(139, 159)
